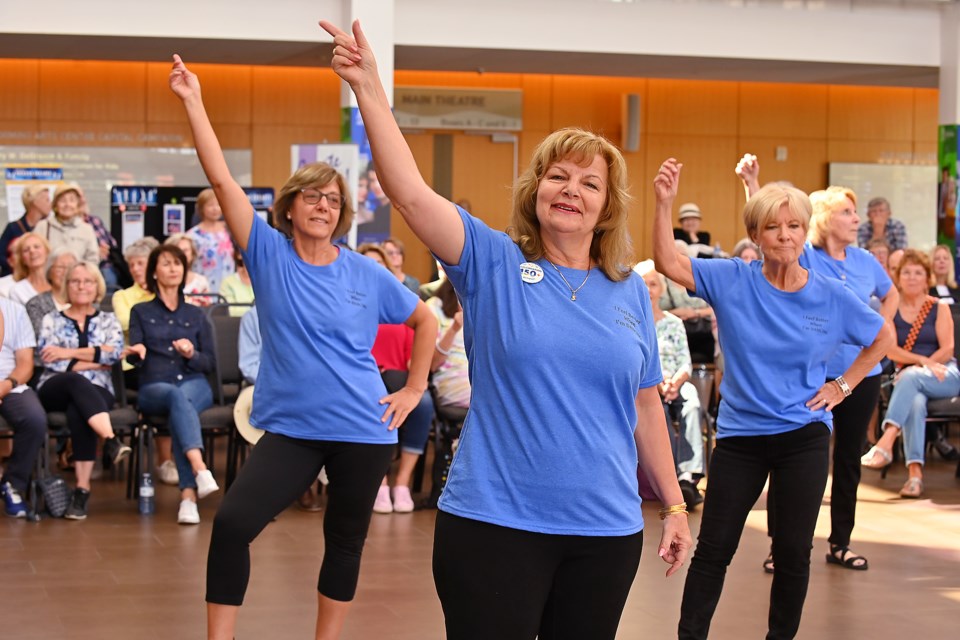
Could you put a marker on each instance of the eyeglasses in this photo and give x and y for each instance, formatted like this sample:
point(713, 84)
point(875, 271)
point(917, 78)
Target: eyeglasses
point(313, 196)
point(82, 283)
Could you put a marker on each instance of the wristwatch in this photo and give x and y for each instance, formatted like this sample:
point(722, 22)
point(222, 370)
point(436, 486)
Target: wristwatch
point(13, 381)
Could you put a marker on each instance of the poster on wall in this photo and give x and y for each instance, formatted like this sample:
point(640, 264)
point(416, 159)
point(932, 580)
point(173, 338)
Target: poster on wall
point(345, 159)
point(18, 177)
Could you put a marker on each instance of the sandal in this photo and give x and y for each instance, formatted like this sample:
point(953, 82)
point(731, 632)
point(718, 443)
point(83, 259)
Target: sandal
point(912, 488)
point(876, 458)
point(768, 564)
point(847, 559)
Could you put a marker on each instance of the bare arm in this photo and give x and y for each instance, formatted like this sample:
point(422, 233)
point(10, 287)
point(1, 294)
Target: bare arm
point(237, 211)
point(944, 329)
point(401, 403)
point(830, 394)
point(446, 341)
point(653, 449)
point(432, 217)
point(22, 369)
point(889, 304)
point(668, 260)
point(748, 169)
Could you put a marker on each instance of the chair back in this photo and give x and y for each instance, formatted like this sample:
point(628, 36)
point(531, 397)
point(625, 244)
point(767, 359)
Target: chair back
point(226, 332)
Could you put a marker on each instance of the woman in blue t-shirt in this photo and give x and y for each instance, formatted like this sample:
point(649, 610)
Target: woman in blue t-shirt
point(319, 396)
point(539, 530)
point(779, 324)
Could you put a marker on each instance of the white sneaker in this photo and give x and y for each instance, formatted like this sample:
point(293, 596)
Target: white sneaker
point(206, 484)
point(402, 500)
point(188, 514)
point(167, 472)
point(382, 503)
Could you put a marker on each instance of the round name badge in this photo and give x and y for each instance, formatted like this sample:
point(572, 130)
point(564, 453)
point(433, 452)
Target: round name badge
point(531, 272)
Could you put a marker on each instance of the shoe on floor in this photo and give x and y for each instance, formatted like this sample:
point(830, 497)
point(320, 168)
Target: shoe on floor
point(382, 504)
point(912, 488)
point(13, 504)
point(691, 495)
point(206, 484)
point(167, 472)
point(188, 514)
point(402, 500)
point(78, 505)
point(946, 450)
point(115, 451)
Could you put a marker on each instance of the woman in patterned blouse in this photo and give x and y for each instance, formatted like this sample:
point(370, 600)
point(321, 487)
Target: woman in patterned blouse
point(214, 257)
point(78, 347)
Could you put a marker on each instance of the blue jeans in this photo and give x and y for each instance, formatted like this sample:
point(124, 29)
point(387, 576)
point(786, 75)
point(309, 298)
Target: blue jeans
point(908, 405)
point(689, 454)
point(182, 403)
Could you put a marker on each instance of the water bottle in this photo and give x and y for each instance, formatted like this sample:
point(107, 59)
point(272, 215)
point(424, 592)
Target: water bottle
point(146, 494)
point(717, 251)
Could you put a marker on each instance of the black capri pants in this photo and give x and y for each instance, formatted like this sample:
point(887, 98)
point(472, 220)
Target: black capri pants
point(278, 471)
point(80, 399)
point(509, 584)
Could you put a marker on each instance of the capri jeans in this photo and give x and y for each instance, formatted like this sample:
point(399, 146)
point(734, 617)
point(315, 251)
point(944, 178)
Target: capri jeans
point(416, 428)
point(80, 399)
point(279, 470)
point(182, 403)
point(25, 415)
point(510, 584)
point(908, 405)
point(689, 451)
point(799, 460)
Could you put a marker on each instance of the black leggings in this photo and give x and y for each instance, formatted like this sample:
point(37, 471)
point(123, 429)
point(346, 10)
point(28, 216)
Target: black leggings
point(799, 460)
point(80, 399)
point(508, 584)
point(850, 421)
point(279, 470)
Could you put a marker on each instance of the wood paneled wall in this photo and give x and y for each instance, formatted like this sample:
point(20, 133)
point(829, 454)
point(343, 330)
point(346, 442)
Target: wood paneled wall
point(707, 125)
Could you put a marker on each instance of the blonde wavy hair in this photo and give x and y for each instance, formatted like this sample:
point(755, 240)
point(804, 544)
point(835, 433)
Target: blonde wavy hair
point(610, 247)
point(825, 203)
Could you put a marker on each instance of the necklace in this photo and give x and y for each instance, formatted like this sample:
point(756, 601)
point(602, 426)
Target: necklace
point(573, 292)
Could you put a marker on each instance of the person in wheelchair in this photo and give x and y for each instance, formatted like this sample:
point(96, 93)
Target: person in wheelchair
point(681, 401)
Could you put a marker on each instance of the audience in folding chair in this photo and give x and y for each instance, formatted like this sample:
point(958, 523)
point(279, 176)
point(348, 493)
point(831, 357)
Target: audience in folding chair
point(197, 283)
point(56, 298)
point(450, 377)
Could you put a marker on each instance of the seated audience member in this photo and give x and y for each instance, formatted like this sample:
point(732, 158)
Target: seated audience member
point(30, 271)
point(697, 317)
point(944, 279)
point(893, 263)
point(879, 250)
point(249, 345)
point(392, 351)
point(395, 252)
point(214, 254)
point(689, 231)
point(36, 205)
point(65, 226)
point(19, 406)
point(746, 250)
point(880, 226)
point(7, 281)
point(105, 242)
point(78, 347)
point(237, 287)
point(928, 370)
point(680, 398)
point(450, 375)
point(56, 298)
point(196, 283)
point(175, 345)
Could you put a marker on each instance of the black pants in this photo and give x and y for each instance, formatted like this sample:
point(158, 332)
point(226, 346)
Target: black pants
point(799, 460)
point(497, 582)
point(26, 417)
point(277, 472)
point(851, 418)
point(80, 399)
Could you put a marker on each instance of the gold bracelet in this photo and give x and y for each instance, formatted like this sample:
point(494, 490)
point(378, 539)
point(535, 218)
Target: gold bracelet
point(672, 509)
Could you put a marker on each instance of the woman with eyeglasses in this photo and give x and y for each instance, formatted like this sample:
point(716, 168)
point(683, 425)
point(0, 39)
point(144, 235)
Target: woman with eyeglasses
point(78, 347)
point(319, 308)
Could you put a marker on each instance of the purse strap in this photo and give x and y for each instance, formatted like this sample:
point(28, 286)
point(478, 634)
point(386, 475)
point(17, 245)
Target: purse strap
point(918, 323)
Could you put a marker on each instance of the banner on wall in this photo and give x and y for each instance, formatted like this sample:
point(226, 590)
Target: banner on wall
point(373, 206)
point(345, 158)
point(947, 188)
point(19, 176)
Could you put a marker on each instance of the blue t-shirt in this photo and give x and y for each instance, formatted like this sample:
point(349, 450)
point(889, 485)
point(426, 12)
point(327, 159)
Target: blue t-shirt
point(777, 344)
point(861, 274)
point(548, 442)
point(317, 378)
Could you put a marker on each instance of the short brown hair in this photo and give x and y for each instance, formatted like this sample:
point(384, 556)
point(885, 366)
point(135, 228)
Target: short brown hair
point(610, 247)
point(312, 175)
point(377, 249)
point(912, 256)
point(203, 199)
point(172, 250)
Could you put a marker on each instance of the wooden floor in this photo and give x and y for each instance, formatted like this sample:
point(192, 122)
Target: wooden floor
point(120, 575)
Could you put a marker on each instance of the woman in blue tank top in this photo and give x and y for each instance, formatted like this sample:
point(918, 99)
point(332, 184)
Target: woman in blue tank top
point(927, 369)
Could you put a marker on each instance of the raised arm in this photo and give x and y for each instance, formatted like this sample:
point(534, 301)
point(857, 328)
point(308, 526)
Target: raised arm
point(668, 260)
point(237, 211)
point(748, 170)
point(432, 217)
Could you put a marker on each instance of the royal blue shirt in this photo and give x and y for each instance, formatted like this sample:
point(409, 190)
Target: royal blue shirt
point(548, 443)
point(317, 377)
point(863, 276)
point(776, 344)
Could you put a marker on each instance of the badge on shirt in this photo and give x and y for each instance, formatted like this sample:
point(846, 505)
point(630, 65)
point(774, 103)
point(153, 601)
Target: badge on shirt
point(531, 272)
